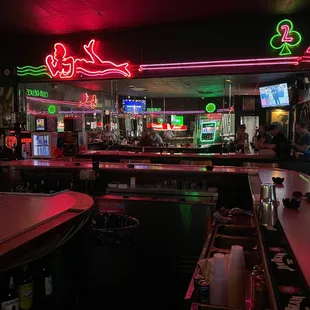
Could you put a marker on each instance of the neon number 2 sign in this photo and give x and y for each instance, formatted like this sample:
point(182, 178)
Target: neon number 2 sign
point(286, 38)
point(63, 66)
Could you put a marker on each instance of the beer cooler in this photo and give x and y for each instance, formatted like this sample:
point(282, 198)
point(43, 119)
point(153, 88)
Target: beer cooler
point(43, 144)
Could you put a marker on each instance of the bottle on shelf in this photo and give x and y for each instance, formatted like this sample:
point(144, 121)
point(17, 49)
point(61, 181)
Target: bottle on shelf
point(44, 289)
point(9, 298)
point(71, 185)
point(25, 290)
point(42, 187)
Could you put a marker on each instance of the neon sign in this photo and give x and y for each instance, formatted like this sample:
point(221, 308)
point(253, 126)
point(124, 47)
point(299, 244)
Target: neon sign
point(32, 71)
point(88, 101)
point(153, 109)
point(210, 107)
point(256, 62)
point(286, 38)
point(62, 66)
point(10, 142)
point(51, 109)
point(36, 93)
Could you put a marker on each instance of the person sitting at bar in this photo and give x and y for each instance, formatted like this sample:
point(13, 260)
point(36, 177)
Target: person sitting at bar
point(242, 138)
point(157, 140)
point(262, 136)
point(146, 139)
point(303, 142)
point(279, 143)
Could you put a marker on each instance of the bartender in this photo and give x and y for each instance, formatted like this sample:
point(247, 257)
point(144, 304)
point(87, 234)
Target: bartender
point(279, 143)
point(158, 141)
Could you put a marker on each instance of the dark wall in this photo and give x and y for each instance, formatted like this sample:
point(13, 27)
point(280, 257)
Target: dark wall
point(227, 38)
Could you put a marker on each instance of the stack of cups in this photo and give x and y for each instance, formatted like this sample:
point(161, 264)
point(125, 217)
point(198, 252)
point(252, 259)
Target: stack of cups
point(236, 278)
point(218, 281)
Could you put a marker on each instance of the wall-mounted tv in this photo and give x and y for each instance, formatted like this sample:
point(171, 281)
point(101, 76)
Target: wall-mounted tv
point(133, 106)
point(274, 96)
point(177, 120)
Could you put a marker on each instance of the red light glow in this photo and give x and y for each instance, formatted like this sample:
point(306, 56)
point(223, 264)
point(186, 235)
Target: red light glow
point(285, 36)
point(62, 66)
point(10, 141)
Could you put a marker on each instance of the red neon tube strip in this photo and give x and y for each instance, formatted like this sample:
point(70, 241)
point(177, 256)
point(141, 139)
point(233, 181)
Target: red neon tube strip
point(221, 65)
point(277, 59)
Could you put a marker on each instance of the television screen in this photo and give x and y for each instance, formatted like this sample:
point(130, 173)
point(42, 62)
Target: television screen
point(177, 120)
point(40, 124)
point(132, 106)
point(274, 96)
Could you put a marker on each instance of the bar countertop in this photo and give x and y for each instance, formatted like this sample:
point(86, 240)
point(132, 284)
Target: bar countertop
point(23, 217)
point(295, 223)
point(262, 154)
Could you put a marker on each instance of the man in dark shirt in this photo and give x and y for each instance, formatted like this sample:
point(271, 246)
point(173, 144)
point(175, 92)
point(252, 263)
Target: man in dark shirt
point(279, 143)
point(303, 142)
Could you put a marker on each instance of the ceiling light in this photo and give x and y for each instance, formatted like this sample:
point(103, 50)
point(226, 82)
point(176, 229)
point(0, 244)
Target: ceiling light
point(228, 81)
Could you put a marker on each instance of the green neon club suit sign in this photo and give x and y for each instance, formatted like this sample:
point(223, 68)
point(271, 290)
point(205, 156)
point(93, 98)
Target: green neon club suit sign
point(286, 38)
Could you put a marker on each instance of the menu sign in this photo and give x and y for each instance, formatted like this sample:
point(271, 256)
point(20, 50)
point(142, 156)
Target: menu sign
point(290, 287)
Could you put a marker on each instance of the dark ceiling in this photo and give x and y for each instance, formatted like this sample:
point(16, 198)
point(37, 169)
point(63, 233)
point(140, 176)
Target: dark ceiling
point(186, 87)
point(69, 16)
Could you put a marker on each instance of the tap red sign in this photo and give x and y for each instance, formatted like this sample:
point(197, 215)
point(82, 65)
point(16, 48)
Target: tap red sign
point(61, 65)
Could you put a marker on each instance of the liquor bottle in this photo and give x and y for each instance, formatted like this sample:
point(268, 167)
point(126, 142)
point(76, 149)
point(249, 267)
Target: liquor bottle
point(71, 186)
point(42, 187)
point(25, 290)
point(10, 299)
point(44, 289)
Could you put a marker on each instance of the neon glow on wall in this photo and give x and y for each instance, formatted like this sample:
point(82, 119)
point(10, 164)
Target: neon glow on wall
point(286, 38)
point(62, 66)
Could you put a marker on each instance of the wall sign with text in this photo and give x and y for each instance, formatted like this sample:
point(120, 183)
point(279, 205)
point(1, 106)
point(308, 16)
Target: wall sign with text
point(36, 93)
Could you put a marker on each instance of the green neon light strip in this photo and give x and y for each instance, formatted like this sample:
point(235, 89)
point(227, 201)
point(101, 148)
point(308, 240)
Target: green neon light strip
point(33, 74)
point(32, 71)
point(31, 67)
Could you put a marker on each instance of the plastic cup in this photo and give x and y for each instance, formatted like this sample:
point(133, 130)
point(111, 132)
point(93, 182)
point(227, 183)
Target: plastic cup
point(219, 266)
point(218, 291)
point(236, 261)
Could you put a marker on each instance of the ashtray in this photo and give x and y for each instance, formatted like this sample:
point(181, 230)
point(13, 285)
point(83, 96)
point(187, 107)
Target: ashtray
point(277, 180)
point(291, 203)
point(297, 194)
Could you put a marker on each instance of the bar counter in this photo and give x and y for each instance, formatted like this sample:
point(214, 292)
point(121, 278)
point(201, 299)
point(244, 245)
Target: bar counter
point(175, 156)
point(25, 217)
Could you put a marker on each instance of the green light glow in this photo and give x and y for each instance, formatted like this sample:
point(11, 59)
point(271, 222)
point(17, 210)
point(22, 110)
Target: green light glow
point(186, 215)
point(210, 107)
point(51, 109)
point(286, 38)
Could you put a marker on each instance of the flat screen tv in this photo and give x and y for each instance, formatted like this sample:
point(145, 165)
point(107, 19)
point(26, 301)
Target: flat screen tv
point(133, 106)
point(274, 96)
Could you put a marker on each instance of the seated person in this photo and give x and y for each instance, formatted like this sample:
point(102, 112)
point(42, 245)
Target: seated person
point(157, 140)
point(279, 143)
point(242, 138)
point(303, 142)
point(146, 139)
point(262, 135)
